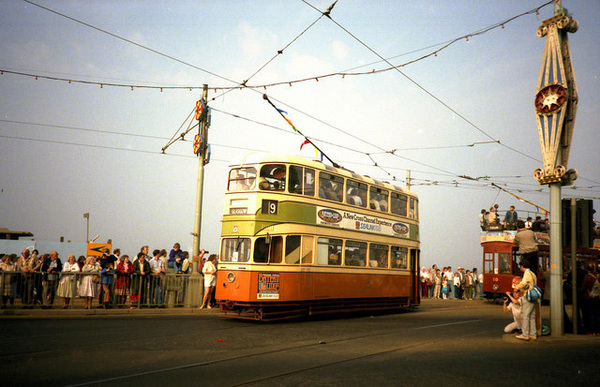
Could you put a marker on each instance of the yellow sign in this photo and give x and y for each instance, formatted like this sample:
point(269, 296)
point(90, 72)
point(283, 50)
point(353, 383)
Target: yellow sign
point(97, 249)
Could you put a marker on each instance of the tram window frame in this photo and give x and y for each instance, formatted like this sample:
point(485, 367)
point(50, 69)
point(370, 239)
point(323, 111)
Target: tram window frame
point(293, 249)
point(307, 249)
point(506, 268)
point(488, 263)
point(329, 251)
point(375, 251)
point(241, 181)
point(398, 257)
point(357, 247)
point(358, 196)
point(331, 187)
point(274, 252)
point(301, 180)
point(268, 181)
point(413, 211)
point(231, 246)
point(396, 207)
point(378, 198)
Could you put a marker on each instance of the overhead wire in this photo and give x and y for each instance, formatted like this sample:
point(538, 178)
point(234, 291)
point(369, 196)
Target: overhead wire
point(128, 40)
point(321, 14)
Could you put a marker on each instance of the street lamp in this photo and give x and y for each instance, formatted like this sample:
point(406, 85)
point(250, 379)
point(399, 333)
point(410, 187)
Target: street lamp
point(87, 236)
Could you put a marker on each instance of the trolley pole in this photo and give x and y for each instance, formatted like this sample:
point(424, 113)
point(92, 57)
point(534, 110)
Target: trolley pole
point(200, 182)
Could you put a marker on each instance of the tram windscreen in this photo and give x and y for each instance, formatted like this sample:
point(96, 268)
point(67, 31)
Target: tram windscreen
point(241, 179)
point(235, 250)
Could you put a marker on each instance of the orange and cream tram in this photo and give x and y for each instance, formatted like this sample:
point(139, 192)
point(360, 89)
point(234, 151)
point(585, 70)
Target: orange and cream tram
point(302, 238)
point(501, 261)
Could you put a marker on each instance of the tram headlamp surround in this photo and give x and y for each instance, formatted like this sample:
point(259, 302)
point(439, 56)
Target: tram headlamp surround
point(230, 277)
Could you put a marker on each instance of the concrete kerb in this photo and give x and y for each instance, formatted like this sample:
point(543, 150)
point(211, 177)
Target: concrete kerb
point(100, 312)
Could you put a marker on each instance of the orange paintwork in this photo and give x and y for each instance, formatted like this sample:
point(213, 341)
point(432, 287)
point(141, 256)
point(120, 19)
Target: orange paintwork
point(308, 286)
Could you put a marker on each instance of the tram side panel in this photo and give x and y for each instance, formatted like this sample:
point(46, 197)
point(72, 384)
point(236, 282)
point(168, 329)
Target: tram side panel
point(271, 286)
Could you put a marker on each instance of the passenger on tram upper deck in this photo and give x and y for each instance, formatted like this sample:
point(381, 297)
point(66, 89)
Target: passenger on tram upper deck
point(483, 221)
point(492, 217)
point(510, 219)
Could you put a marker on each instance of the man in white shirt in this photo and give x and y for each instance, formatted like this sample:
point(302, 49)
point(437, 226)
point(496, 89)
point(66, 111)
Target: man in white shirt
point(450, 278)
point(157, 268)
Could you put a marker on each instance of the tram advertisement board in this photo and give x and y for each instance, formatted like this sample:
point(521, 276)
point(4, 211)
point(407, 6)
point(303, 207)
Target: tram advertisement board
point(353, 221)
point(268, 286)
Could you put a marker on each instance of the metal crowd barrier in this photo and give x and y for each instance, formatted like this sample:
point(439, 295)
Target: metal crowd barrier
point(19, 289)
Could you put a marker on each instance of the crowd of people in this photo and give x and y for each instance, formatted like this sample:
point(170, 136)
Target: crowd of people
point(113, 279)
point(489, 220)
point(447, 284)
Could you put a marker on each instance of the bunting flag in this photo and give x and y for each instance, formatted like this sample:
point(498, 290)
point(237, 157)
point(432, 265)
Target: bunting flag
point(283, 114)
point(545, 212)
point(318, 154)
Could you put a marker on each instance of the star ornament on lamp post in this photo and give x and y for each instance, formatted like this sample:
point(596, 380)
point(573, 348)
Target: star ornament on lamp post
point(556, 100)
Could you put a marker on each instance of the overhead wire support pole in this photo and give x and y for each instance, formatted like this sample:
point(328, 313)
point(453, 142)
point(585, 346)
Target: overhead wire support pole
point(266, 98)
point(203, 131)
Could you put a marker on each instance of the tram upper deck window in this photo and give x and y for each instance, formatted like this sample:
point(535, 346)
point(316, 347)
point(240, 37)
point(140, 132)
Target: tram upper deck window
point(356, 193)
point(302, 180)
point(399, 257)
point(378, 255)
point(355, 253)
point(268, 249)
point(242, 179)
point(378, 199)
point(331, 187)
point(329, 251)
point(413, 212)
point(235, 250)
point(399, 204)
point(272, 177)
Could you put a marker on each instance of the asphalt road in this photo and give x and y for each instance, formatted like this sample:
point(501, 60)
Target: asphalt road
point(450, 343)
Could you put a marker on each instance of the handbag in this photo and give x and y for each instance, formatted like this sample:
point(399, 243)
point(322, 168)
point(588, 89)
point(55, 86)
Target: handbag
point(534, 294)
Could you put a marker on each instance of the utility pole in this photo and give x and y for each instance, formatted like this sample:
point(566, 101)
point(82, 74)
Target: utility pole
point(202, 160)
point(555, 108)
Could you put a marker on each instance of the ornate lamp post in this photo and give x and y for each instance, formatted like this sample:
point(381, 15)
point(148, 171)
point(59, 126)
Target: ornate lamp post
point(555, 109)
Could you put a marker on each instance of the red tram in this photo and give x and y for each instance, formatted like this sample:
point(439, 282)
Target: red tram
point(501, 261)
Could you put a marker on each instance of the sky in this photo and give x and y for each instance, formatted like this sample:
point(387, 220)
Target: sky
point(87, 146)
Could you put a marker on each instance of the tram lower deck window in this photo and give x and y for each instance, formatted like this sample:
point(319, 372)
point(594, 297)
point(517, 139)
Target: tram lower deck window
point(235, 250)
point(399, 257)
point(268, 249)
point(329, 251)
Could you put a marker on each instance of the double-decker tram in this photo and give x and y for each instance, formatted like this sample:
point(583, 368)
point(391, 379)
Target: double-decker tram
point(302, 238)
point(501, 261)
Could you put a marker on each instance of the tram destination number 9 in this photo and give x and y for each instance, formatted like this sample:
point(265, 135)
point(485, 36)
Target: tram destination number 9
point(269, 207)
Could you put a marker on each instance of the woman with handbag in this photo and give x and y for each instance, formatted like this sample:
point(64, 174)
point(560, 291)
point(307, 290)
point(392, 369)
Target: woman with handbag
point(527, 284)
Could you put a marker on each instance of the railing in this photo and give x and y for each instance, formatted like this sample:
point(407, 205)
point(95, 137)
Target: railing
point(87, 290)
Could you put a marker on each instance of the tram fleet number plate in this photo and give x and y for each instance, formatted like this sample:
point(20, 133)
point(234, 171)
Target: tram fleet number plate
point(268, 286)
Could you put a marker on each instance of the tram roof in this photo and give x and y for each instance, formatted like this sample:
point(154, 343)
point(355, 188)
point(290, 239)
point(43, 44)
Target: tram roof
point(255, 158)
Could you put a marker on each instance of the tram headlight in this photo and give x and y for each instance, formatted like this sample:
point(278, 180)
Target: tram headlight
point(495, 287)
point(230, 277)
